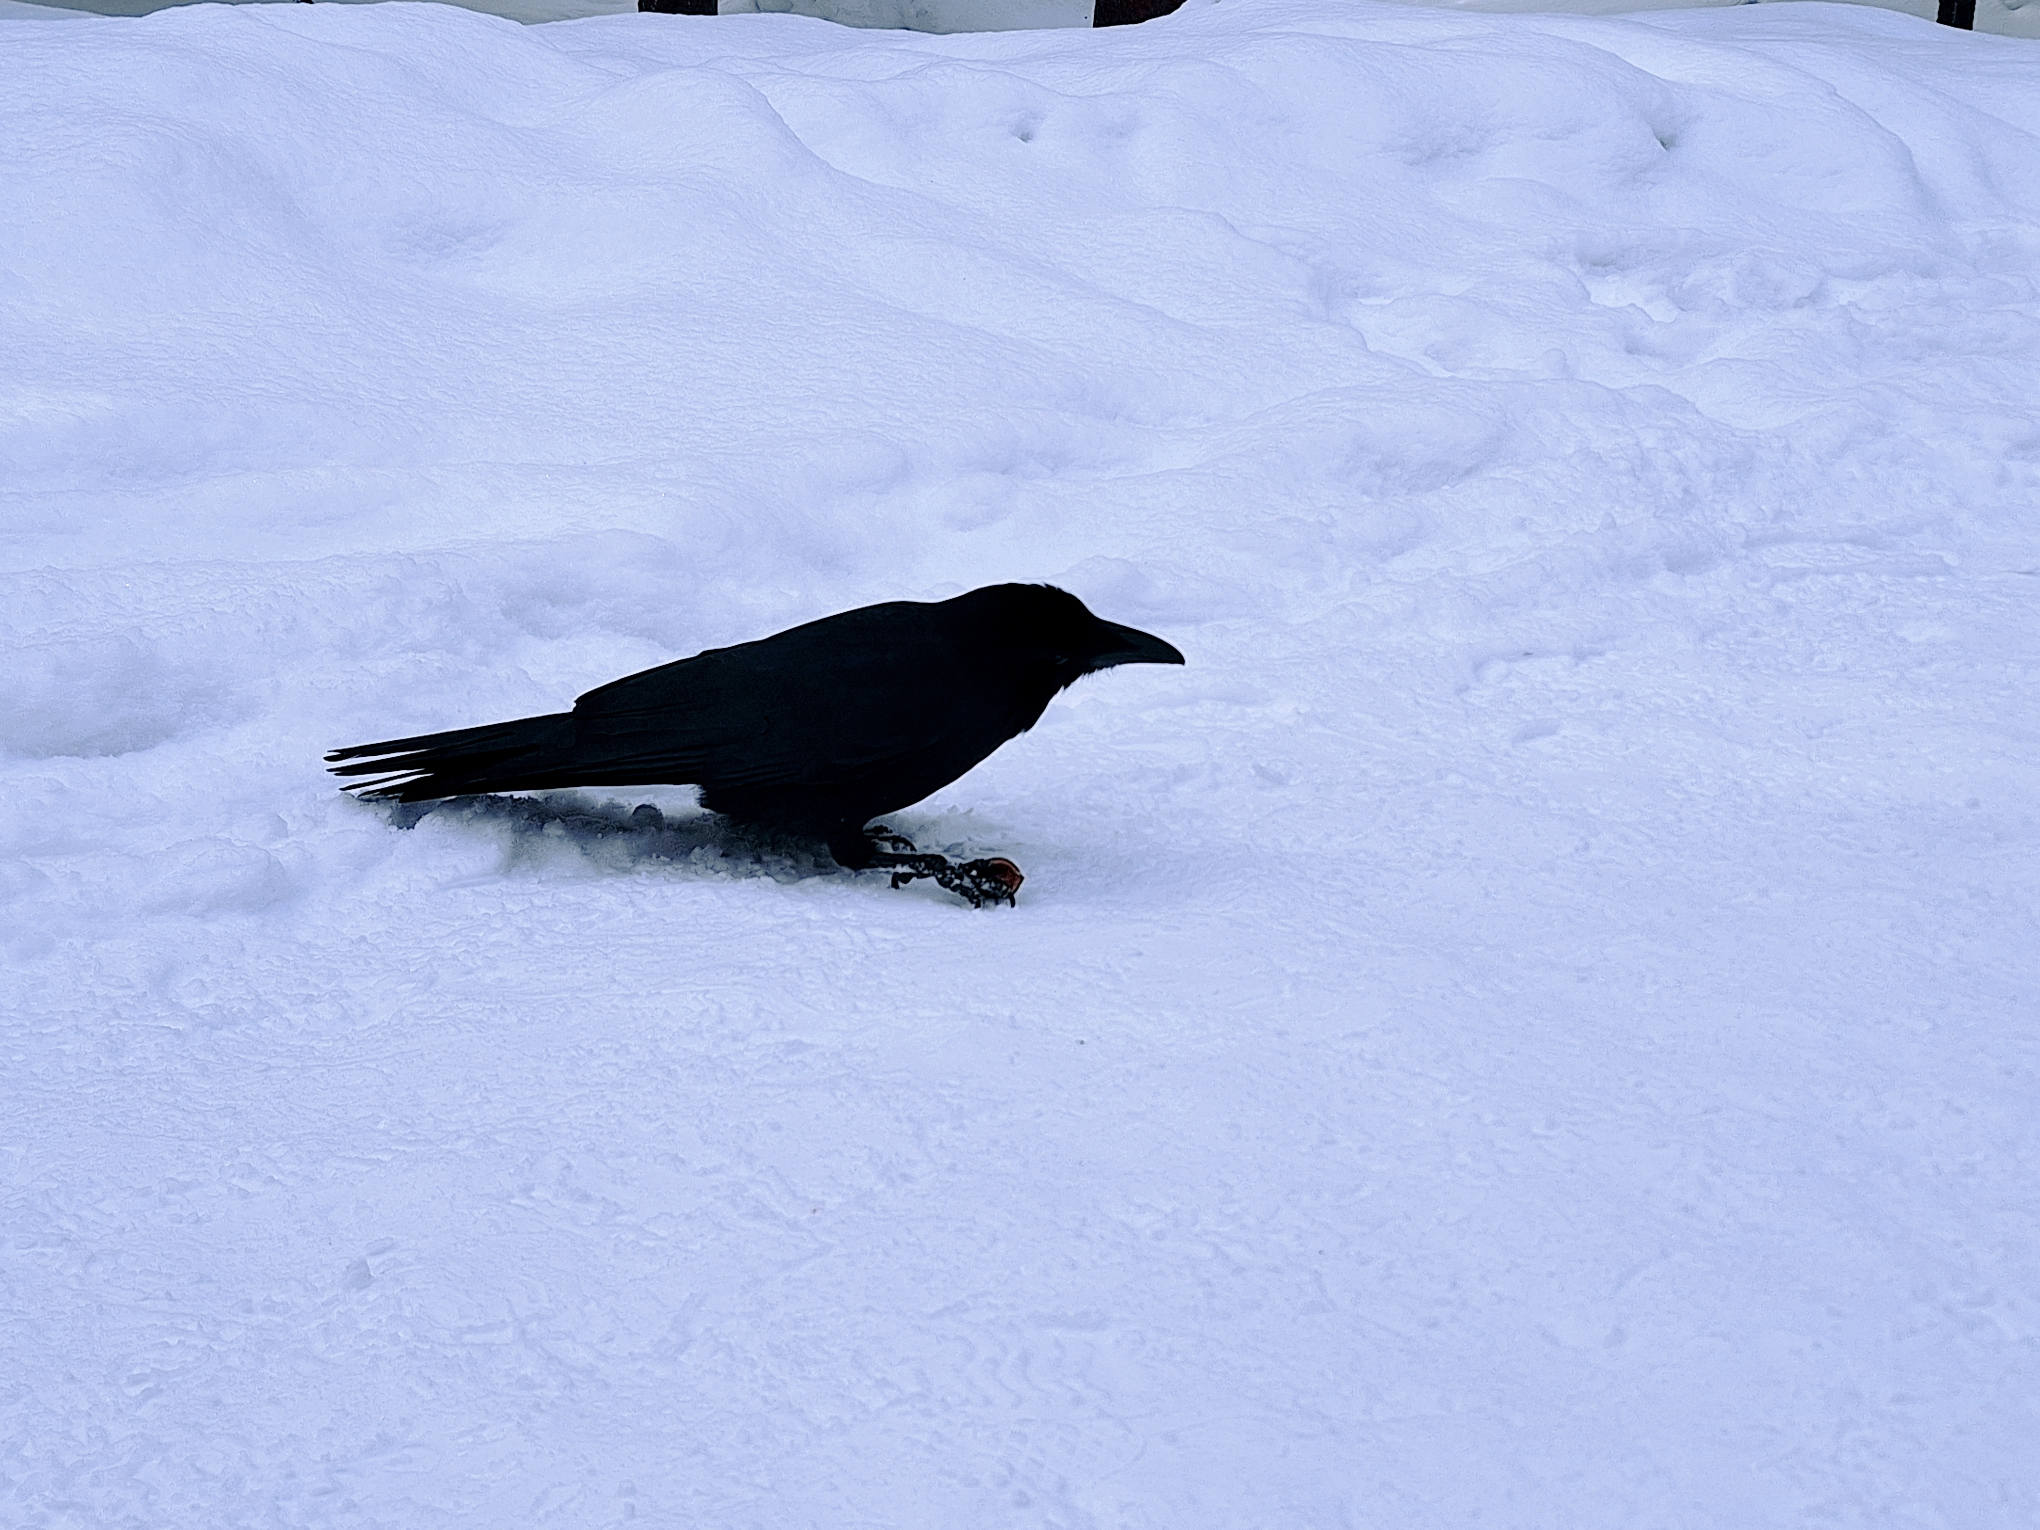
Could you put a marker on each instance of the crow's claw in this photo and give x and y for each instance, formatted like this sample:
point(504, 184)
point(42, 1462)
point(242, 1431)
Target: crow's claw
point(991, 880)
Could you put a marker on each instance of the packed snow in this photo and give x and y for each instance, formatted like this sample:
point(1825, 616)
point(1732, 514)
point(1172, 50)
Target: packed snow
point(1533, 1026)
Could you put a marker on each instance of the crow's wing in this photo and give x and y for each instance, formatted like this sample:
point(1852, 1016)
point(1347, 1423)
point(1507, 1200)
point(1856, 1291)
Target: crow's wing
point(836, 700)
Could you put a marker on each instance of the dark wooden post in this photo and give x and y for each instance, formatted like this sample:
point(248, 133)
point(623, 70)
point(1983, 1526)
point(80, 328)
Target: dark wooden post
point(1127, 13)
point(1958, 13)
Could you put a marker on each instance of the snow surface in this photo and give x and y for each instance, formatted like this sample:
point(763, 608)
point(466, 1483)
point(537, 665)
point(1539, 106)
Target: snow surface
point(2008, 18)
point(1534, 1026)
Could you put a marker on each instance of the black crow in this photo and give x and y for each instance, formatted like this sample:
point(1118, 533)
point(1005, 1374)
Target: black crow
point(816, 730)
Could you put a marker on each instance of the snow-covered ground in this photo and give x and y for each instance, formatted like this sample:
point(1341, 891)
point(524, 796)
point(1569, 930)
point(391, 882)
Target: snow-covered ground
point(2008, 18)
point(1534, 1026)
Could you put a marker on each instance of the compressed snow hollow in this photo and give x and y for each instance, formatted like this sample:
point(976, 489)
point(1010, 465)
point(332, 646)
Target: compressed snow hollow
point(1533, 1027)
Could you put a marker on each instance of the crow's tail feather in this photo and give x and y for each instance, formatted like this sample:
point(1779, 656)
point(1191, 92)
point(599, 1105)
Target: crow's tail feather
point(528, 754)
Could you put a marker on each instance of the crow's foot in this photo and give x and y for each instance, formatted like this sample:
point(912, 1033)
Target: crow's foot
point(991, 880)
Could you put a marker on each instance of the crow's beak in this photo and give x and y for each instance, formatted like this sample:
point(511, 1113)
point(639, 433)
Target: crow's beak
point(1124, 645)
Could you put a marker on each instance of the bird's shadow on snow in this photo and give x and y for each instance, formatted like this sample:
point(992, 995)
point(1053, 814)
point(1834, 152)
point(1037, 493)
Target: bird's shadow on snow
point(625, 837)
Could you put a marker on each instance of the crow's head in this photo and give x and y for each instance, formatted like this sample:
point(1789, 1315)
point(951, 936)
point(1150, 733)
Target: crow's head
point(1051, 633)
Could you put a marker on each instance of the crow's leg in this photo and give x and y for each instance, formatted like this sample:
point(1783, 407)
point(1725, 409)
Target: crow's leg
point(991, 880)
point(899, 844)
